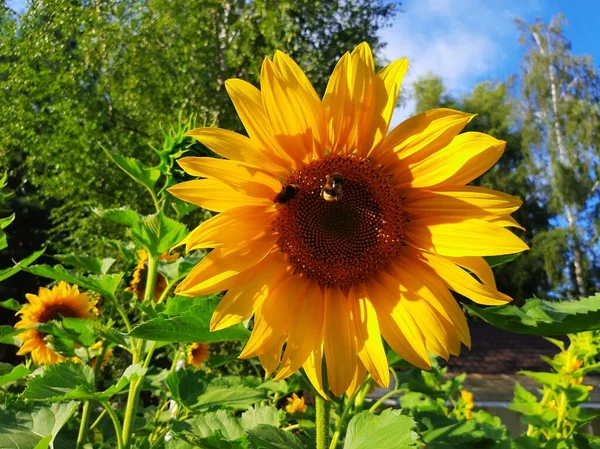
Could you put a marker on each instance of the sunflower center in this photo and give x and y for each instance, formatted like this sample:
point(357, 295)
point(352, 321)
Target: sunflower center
point(56, 311)
point(339, 220)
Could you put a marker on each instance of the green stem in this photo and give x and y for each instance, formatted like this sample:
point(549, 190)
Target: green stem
point(115, 420)
point(392, 393)
point(151, 279)
point(98, 419)
point(85, 416)
point(292, 427)
point(323, 406)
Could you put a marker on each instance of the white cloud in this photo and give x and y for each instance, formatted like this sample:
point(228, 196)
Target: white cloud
point(463, 41)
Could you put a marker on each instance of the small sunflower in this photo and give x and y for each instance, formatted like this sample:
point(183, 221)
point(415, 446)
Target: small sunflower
point(96, 348)
point(467, 402)
point(333, 232)
point(197, 354)
point(295, 404)
point(63, 300)
point(140, 275)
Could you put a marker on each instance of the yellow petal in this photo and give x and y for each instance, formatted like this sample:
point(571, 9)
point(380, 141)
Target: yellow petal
point(271, 357)
point(420, 311)
point(339, 108)
point(306, 332)
point(236, 147)
point(360, 373)
point(248, 103)
point(243, 299)
point(432, 289)
point(506, 221)
point(339, 339)
point(286, 114)
point(212, 194)
point(468, 156)
point(305, 96)
point(381, 101)
point(462, 282)
point(478, 266)
point(244, 178)
point(231, 227)
point(473, 237)
point(216, 271)
point(467, 201)
point(313, 367)
point(370, 347)
point(396, 325)
point(271, 322)
point(420, 136)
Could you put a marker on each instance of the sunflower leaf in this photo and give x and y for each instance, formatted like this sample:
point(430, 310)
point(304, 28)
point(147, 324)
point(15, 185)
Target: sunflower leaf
point(8, 272)
point(10, 304)
point(10, 373)
point(105, 285)
point(496, 261)
point(190, 326)
point(265, 436)
point(78, 330)
point(35, 429)
point(89, 264)
point(390, 430)
point(70, 380)
point(541, 317)
point(7, 335)
point(143, 175)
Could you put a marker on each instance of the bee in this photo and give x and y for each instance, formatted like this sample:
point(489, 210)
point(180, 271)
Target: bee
point(332, 190)
point(287, 194)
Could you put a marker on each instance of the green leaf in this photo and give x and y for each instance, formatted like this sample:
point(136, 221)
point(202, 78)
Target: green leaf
point(540, 317)
point(264, 436)
point(191, 326)
point(179, 304)
point(9, 373)
point(180, 268)
point(70, 380)
point(390, 430)
point(105, 285)
point(208, 424)
point(35, 429)
point(8, 272)
point(495, 261)
point(89, 264)
point(199, 391)
point(145, 176)
point(547, 379)
point(10, 304)
point(7, 334)
point(78, 330)
point(5, 221)
point(109, 334)
point(125, 217)
point(260, 415)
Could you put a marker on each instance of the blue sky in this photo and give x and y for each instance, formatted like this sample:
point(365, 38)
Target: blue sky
point(466, 41)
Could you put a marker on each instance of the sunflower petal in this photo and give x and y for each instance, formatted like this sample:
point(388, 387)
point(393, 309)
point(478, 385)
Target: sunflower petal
point(217, 271)
point(467, 201)
point(462, 282)
point(231, 227)
point(420, 136)
point(478, 266)
point(306, 300)
point(313, 367)
point(339, 107)
point(360, 373)
point(370, 347)
point(339, 338)
point(242, 300)
point(396, 327)
point(448, 236)
point(236, 147)
point(468, 156)
point(212, 194)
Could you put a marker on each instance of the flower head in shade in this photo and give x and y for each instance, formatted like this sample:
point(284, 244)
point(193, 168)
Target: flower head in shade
point(295, 404)
point(333, 231)
point(62, 301)
point(140, 276)
point(197, 354)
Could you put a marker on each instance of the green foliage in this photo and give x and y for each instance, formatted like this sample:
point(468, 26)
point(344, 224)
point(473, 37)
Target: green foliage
point(542, 317)
point(10, 373)
point(389, 430)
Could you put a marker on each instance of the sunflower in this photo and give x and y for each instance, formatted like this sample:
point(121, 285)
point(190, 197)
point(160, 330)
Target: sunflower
point(333, 232)
point(197, 354)
point(63, 300)
point(140, 276)
point(467, 402)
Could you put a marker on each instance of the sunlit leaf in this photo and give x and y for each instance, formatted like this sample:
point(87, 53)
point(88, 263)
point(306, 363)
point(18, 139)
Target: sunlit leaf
point(89, 264)
point(265, 436)
point(8, 272)
point(10, 373)
point(390, 430)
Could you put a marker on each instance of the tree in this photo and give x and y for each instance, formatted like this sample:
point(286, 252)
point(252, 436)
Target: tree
point(561, 94)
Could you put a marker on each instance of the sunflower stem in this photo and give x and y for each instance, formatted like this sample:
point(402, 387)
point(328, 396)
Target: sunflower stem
point(85, 417)
point(322, 416)
point(115, 420)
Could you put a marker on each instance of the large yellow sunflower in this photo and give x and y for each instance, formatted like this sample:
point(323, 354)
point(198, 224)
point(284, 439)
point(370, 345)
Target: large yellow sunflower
point(63, 300)
point(333, 232)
